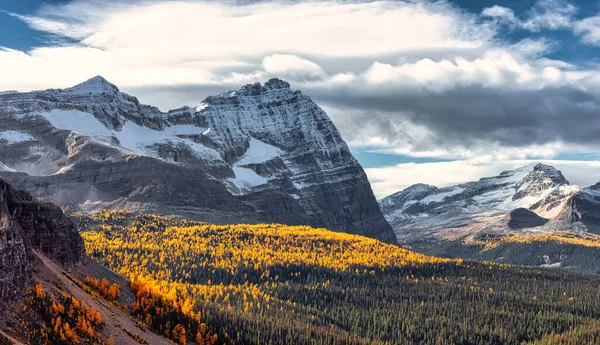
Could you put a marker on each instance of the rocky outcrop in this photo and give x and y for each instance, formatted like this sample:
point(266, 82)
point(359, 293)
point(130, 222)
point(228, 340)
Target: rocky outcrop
point(522, 218)
point(263, 153)
point(27, 224)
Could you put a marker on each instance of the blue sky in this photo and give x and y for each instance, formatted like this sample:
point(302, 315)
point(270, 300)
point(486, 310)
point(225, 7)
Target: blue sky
point(18, 35)
point(15, 33)
point(423, 91)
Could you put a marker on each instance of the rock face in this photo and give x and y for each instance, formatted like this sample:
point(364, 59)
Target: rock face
point(27, 224)
point(263, 153)
point(535, 198)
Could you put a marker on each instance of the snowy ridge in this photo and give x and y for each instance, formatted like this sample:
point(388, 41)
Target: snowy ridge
point(457, 211)
point(258, 152)
point(132, 137)
point(262, 152)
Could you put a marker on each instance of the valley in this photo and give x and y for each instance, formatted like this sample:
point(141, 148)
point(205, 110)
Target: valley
point(213, 225)
point(272, 283)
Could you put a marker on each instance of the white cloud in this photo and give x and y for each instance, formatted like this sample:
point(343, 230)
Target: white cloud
point(500, 13)
point(545, 14)
point(389, 180)
point(589, 30)
point(496, 67)
point(550, 14)
point(182, 42)
point(292, 66)
point(54, 26)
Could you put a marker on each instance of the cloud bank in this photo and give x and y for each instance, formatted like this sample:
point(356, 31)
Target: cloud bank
point(416, 78)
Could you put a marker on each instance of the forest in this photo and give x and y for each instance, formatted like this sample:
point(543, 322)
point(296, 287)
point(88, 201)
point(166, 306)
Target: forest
point(68, 321)
point(276, 284)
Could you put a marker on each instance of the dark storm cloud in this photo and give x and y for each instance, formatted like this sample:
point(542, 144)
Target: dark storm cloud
point(466, 115)
point(460, 116)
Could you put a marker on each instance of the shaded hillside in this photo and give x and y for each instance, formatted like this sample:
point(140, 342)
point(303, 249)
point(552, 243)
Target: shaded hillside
point(26, 225)
point(40, 303)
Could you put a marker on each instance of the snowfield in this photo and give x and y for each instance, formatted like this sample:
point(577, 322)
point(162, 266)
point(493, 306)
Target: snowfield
point(135, 138)
point(15, 137)
point(259, 152)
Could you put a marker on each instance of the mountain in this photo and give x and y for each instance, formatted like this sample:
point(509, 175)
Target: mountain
point(468, 219)
point(263, 153)
point(535, 198)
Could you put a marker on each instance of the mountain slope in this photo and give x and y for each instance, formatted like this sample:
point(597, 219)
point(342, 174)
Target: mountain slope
point(275, 284)
point(26, 225)
point(38, 245)
point(263, 153)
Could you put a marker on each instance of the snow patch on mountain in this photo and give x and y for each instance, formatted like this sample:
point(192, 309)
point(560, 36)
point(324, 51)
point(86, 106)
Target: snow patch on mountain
point(439, 197)
point(135, 138)
point(79, 122)
point(185, 130)
point(259, 152)
point(246, 179)
point(6, 168)
point(15, 137)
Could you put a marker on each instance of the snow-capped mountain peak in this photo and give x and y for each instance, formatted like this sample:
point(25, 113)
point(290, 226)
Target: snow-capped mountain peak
point(94, 86)
point(258, 153)
point(425, 211)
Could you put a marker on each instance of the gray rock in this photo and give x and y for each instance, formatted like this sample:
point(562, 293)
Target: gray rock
point(27, 224)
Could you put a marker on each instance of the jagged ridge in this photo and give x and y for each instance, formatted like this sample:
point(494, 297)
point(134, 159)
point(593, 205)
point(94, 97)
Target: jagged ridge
point(263, 153)
point(482, 206)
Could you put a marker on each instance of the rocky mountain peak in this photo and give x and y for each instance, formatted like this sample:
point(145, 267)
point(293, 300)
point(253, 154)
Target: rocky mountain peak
point(94, 86)
point(262, 153)
point(273, 85)
point(420, 188)
point(277, 84)
point(539, 179)
point(549, 172)
point(414, 192)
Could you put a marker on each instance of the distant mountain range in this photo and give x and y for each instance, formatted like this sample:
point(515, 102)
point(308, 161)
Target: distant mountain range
point(531, 200)
point(263, 153)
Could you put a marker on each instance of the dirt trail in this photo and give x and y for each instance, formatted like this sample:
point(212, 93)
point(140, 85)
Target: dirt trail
point(15, 341)
point(116, 321)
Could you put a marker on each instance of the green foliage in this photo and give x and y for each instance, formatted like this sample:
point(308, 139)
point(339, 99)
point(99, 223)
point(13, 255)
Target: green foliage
point(274, 284)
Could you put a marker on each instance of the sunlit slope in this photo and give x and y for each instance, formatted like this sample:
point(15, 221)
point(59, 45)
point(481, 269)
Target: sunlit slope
point(274, 284)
